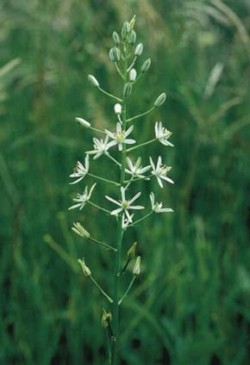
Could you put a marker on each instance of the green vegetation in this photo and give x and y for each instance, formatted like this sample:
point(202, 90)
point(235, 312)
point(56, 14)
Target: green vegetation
point(191, 302)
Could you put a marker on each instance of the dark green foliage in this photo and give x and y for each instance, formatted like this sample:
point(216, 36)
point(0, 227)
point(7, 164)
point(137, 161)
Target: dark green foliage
point(191, 303)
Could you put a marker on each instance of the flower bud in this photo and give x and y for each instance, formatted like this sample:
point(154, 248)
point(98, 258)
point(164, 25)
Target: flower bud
point(117, 108)
point(127, 90)
point(116, 37)
point(132, 37)
point(132, 74)
point(137, 266)
point(138, 49)
point(80, 230)
point(83, 122)
point(93, 81)
point(85, 269)
point(146, 65)
point(131, 251)
point(160, 100)
point(132, 22)
point(125, 29)
point(115, 54)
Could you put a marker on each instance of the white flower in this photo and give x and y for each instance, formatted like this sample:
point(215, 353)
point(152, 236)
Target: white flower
point(136, 170)
point(157, 207)
point(125, 205)
point(120, 137)
point(80, 171)
point(162, 134)
point(101, 147)
point(82, 199)
point(160, 171)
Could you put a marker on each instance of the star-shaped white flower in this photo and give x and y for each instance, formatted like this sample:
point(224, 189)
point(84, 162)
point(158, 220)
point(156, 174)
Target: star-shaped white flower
point(82, 199)
point(136, 170)
point(120, 137)
point(160, 171)
point(80, 171)
point(125, 205)
point(157, 207)
point(101, 147)
point(162, 134)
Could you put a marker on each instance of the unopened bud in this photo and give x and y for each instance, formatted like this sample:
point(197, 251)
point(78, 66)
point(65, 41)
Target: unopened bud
point(80, 230)
point(115, 54)
point(131, 251)
point(127, 90)
point(116, 37)
point(83, 122)
point(117, 108)
point(125, 29)
point(146, 65)
point(160, 100)
point(85, 269)
point(132, 74)
point(132, 22)
point(132, 37)
point(93, 81)
point(138, 49)
point(137, 266)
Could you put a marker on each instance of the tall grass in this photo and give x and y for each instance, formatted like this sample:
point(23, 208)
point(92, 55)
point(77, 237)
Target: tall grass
point(192, 303)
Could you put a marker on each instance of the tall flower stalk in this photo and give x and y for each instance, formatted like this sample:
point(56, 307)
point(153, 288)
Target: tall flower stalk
point(125, 210)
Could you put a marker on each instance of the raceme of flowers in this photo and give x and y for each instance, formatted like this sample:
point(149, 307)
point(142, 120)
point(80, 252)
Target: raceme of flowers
point(134, 170)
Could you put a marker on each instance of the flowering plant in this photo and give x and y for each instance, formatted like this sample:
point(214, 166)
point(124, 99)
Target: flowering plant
point(126, 211)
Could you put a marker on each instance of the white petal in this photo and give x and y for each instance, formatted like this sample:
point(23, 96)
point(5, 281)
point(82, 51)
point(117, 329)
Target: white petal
point(112, 200)
point(135, 197)
point(167, 179)
point(129, 141)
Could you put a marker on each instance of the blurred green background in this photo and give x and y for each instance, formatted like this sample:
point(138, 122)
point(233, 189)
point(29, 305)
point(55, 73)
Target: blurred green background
point(191, 304)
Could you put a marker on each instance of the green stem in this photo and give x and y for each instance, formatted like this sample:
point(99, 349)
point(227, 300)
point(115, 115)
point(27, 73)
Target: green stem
point(102, 244)
point(141, 145)
point(141, 219)
point(128, 290)
point(98, 207)
point(115, 343)
point(113, 159)
point(132, 64)
point(141, 115)
point(97, 130)
point(103, 179)
point(110, 95)
point(119, 71)
point(120, 231)
point(101, 290)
